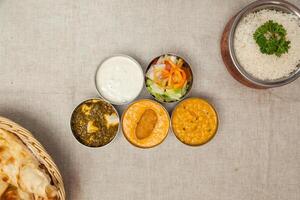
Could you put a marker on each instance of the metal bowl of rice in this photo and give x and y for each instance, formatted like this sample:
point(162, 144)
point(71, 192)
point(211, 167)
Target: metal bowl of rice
point(243, 60)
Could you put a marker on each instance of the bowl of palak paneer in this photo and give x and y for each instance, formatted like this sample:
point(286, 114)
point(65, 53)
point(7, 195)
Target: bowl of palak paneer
point(95, 122)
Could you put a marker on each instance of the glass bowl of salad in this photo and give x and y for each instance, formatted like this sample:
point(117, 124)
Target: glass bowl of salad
point(169, 78)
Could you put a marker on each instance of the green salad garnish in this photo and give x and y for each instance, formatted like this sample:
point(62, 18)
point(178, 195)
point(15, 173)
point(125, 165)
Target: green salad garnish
point(168, 78)
point(271, 38)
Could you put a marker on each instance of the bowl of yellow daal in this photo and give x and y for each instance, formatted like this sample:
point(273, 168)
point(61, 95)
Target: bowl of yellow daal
point(194, 121)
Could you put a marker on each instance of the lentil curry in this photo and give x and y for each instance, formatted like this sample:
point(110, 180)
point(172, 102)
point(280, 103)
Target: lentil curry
point(194, 121)
point(95, 123)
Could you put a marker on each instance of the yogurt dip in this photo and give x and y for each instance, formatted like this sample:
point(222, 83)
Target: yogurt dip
point(119, 79)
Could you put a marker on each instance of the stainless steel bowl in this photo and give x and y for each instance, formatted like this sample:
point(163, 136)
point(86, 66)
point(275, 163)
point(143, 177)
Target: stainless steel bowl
point(279, 5)
point(122, 124)
point(139, 71)
point(187, 65)
point(217, 125)
point(74, 132)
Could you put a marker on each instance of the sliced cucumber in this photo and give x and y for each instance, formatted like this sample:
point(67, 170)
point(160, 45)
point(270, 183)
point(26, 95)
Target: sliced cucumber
point(149, 82)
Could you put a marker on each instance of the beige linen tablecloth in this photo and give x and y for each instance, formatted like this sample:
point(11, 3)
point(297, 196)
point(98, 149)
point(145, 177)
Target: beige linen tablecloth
point(49, 51)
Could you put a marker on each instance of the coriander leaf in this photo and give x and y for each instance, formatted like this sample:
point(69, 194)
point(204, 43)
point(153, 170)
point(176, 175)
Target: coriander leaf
point(271, 38)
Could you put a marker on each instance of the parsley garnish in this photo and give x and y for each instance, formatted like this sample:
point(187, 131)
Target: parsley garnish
point(271, 38)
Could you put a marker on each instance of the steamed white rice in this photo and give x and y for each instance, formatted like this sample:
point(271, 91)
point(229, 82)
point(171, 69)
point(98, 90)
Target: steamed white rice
point(263, 66)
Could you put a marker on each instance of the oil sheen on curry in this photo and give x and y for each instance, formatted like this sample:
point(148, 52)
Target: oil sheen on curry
point(95, 123)
point(145, 123)
point(194, 121)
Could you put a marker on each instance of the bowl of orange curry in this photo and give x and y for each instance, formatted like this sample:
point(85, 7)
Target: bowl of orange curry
point(194, 121)
point(145, 123)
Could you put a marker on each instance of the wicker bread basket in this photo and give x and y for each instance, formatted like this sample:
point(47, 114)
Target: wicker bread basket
point(38, 151)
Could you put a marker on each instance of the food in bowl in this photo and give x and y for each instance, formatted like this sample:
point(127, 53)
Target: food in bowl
point(267, 44)
point(119, 79)
point(145, 123)
point(22, 176)
point(194, 121)
point(168, 78)
point(95, 122)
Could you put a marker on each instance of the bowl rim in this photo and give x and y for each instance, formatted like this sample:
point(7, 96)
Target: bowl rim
point(103, 100)
point(217, 123)
point(113, 56)
point(254, 6)
point(153, 101)
point(192, 75)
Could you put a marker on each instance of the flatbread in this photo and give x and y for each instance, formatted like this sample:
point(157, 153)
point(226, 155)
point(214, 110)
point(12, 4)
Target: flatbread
point(21, 177)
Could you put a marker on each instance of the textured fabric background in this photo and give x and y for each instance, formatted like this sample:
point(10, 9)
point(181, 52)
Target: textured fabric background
point(49, 51)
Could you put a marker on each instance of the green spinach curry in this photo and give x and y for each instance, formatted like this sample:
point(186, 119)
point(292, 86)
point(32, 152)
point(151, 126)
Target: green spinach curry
point(95, 123)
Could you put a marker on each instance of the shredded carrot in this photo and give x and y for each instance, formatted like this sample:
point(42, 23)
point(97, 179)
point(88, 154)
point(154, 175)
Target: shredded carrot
point(181, 79)
point(165, 73)
point(172, 76)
